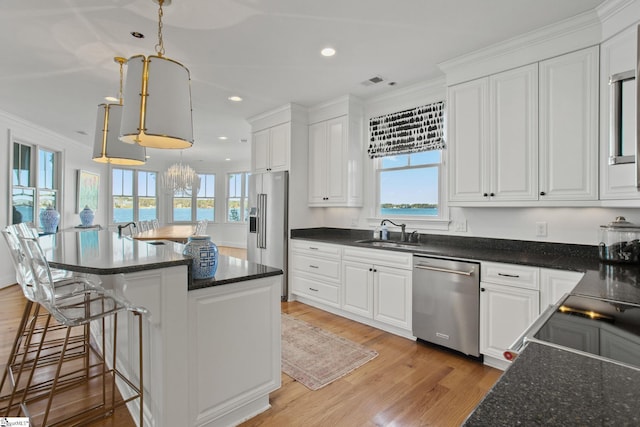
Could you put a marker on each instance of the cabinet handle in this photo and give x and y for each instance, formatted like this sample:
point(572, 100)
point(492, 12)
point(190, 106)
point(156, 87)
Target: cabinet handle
point(542, 193)
point(313, 248)
point(313, 266)
point(508, 275)
point(312, 289)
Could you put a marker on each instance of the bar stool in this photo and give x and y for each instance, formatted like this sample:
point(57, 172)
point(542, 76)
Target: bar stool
point(31, 342)
point(78, 309)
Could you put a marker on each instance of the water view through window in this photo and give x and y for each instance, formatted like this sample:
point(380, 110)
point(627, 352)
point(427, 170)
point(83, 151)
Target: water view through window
point(409, 184)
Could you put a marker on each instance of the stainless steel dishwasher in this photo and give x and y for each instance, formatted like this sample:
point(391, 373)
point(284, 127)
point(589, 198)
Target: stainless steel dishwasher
point(446, 303)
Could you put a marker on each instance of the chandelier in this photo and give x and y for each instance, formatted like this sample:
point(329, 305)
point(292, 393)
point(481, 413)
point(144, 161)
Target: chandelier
point(180, 178)
point(157, 113)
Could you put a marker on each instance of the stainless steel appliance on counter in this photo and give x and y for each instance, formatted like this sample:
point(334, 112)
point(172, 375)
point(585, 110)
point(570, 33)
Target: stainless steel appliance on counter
point(268, 221)
point(446, 303)
point(595, 327)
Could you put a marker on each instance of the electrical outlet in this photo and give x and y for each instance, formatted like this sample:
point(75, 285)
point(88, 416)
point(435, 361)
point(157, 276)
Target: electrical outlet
point(541, 229)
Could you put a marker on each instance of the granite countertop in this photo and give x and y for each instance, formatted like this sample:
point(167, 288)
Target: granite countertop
point(546, 386)
point(233, 270)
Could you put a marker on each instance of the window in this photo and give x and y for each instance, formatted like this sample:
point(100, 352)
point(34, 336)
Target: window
point(198, 206)
point(133, 195)
point(34, 182)
point(409, 185)
point(237, 204)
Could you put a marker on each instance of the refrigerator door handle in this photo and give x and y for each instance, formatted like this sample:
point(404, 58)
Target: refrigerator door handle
point(262, 221)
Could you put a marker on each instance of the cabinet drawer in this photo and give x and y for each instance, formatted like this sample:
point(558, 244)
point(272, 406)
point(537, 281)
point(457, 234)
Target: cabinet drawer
point(311, 247)
point(510, 274)
point(394, 259)
point(327, 269)
point(316, 290)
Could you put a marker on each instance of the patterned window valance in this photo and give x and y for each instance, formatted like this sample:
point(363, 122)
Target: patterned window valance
point(410, 131)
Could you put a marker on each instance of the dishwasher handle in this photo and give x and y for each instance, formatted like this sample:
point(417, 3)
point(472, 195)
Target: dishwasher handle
point(444, 270)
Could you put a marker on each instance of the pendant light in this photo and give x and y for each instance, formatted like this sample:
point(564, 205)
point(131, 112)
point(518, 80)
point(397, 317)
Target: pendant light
point(158, 92)
point(107, 148)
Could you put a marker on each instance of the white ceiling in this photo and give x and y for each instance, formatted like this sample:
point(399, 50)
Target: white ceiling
point(57, 55)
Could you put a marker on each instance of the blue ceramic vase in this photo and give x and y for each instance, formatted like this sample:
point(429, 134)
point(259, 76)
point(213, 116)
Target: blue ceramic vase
point(205, 256)
point(86, 216)
point(49, 220)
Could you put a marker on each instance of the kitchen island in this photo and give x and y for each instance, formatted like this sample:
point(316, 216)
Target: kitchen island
point(211, 347)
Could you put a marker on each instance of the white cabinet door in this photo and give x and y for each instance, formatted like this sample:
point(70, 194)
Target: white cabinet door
point(392, 296)
point(505, 313)
point(260, 151)
point(270, 149)
point(357, 288)
point(554, 284)
point(513, 134)
point(279, 147)
point(317, 162)
point(569, 126)
point(328, 162)
point(468, 134)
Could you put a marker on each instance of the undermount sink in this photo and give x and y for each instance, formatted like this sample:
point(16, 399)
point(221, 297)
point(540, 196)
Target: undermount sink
point(388, 243)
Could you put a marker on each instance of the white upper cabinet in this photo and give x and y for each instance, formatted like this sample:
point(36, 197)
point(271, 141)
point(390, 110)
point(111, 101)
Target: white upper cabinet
point(618, 55)
point(270, 149)
point(569, 126)
point(527, 136)
point(493, 125)
point(335, 154)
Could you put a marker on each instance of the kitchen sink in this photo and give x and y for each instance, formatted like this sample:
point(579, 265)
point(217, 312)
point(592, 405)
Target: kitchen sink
point(388, 243)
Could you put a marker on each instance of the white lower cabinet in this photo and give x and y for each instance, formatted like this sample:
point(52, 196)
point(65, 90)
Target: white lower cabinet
point(374, 287)
point(555, 283)
point(509, 303)
point(314, 271)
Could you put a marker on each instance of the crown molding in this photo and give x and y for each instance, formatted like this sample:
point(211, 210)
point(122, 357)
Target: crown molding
point(574, 33)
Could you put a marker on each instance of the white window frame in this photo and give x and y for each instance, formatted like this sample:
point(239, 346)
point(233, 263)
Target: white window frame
point(413, 222)
point(135, 195)
point(194, 202)
point(244, 196)
point(34, 167)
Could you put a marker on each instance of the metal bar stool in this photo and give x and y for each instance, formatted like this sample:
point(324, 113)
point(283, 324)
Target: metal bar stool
point(79, 309)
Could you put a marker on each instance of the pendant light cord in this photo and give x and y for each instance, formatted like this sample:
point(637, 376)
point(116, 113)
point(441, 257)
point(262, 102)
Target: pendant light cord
point(160, 45)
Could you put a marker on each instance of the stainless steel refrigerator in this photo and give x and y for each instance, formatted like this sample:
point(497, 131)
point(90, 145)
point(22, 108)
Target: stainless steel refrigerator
point(268, 221)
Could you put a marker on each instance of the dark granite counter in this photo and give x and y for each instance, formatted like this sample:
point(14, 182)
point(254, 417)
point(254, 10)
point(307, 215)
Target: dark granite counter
point(103, 252)
point(546, 386)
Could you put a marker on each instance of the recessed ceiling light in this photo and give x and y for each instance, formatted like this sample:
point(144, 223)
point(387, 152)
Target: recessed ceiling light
point(227, 159)
point(147, 156)
point(328, 51)
point(235, 98)
point(111, 99)
point(223, 138)
point(137, 35)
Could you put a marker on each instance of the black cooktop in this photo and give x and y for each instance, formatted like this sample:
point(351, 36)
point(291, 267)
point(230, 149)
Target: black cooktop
point(595, 326)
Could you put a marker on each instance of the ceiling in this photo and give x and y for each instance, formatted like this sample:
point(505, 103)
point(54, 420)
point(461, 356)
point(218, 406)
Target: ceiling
point(58, 54)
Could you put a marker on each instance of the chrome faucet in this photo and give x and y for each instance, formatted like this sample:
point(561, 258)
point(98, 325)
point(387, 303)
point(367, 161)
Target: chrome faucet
point(403, 234)
point(121, 226)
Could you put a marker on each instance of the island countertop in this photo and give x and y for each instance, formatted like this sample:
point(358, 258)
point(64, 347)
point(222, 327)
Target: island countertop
point(103, 252)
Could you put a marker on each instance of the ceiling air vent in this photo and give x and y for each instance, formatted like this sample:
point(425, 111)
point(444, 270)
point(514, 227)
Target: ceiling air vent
point(372, 81)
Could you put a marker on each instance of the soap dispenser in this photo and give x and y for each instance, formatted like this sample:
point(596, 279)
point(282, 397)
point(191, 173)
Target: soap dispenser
point(384, 233)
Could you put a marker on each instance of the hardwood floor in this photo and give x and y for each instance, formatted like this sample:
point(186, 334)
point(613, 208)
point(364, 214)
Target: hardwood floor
point(408, 384)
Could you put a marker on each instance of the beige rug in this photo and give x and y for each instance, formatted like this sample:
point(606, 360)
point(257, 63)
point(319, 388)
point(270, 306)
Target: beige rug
point(316, 357)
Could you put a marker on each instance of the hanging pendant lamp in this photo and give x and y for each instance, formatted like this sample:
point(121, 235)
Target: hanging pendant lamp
point(107, 148)
point(180, 178)
point(158, 93)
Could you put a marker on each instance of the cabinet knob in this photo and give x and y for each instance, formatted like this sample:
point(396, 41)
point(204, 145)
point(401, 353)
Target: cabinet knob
point(542, 193)
point(375, 271)
point(492, 194)
point(481, 289)
point(486, 195)
point(371, 269)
